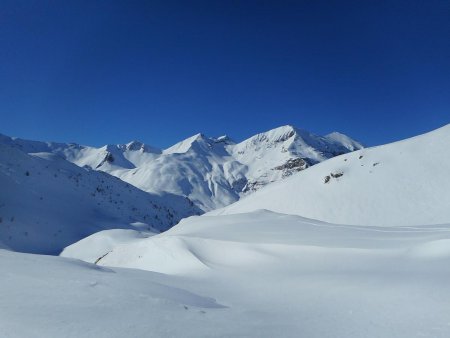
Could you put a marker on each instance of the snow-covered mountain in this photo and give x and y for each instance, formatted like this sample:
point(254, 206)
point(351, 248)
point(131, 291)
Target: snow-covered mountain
point(212, 172)
point(280, 152)
point(402, 183)
point(214, 275)
point(47, 203)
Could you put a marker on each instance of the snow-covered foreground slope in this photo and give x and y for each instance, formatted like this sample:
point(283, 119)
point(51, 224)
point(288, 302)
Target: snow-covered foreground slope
point(402, 183)
point(212, 172)
point(44, 296)
point(287, 276)
point(47, 203)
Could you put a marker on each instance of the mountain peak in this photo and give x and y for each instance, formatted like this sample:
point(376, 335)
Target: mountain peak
point(344, 140)
point(276, 135)
point(134, 145)
point(140, 146)
point(184, 146)
point(224, 139)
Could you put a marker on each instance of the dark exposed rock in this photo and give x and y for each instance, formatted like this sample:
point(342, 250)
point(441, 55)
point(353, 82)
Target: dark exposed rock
point(333, 175)
point(135, 145)
point(293, 163)
point(108, 158)
point(252, 186)
point(291, 166)
point(336, 175)
point(239, 185)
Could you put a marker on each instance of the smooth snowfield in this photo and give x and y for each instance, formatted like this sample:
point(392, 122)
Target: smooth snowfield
point(287, 276)
point(402, 183)
point(44, 296)
point(100, 243)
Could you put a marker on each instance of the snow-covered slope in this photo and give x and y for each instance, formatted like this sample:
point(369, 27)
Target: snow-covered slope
point(212, 172)
point(403, 183)
point(92, 248)
point(280, 152)
point(287, 276)
point(259, 273)
point(52, 297)
point(199, 168)
point(47, 203)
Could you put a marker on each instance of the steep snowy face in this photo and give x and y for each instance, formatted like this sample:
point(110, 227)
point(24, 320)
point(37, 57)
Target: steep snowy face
point(215, 172)
point(280, 152)
point(198, 167)
point(198, 141)
point(106, 158)
point(294, 142)
point(344, 140)
point(403, 183)
point(139, 146)
point(212, 172)
point(201, 145)
point(111, 157)
point(47, 202)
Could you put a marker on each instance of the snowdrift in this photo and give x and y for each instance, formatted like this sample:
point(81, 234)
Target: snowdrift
point(289, 276)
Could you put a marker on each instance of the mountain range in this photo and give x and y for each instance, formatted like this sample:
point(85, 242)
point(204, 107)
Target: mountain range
point(59, 193)
point(211, 172)
point(322, 241)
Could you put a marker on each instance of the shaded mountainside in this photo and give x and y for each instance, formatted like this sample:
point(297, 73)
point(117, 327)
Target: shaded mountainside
point(47, 203)
point(212, 172)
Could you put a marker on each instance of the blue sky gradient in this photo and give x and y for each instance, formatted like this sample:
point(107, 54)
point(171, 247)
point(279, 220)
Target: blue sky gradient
point(97, 72)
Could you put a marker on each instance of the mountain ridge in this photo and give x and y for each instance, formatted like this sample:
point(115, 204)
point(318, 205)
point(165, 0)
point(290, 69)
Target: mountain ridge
point(212, 172)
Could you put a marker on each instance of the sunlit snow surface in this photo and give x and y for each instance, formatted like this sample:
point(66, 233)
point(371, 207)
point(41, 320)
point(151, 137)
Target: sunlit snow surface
point(402, 183)
point(288, 276)
point(247, 272)
point(45, 296)
point(212, 172)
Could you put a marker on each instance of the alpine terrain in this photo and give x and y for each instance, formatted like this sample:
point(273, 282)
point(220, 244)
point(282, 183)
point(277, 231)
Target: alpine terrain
point(357, 245)
point(211, 172)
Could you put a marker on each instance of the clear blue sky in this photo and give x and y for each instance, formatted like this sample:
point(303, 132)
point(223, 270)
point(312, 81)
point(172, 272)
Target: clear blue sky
point(97, 72)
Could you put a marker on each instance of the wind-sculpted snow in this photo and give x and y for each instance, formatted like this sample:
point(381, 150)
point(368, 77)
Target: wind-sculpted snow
point(212, 172)
point(43, 296)
point(402, 183)
point(289, 276)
